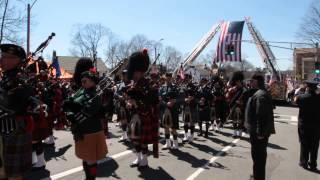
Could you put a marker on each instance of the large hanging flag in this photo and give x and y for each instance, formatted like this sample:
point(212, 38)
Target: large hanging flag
point(56, 66)
point(229, 45)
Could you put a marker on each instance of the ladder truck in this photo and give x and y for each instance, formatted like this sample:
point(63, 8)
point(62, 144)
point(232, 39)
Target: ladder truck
point(274, 78)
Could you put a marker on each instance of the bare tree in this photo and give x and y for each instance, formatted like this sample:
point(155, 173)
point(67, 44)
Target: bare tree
point(112, 50)
point(171, 57)
point(309, 30)
point(87, 39)
point(12, 23)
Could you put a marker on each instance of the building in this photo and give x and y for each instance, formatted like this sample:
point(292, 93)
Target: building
point(304, 62)
point(197, 72)
point(68, 63)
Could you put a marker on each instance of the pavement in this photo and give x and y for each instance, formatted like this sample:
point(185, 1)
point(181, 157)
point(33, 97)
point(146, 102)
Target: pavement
point(219, 157)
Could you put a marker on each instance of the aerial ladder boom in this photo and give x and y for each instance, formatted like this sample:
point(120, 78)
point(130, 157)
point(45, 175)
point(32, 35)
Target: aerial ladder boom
point(200, 46)
point(264, 50)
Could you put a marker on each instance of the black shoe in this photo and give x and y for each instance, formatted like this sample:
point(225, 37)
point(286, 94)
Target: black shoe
point(303, 165)
point(38, 168)
point(134, 165)
point(200, 134)
point(206, 135)
point(143, 167)
point(313, 167)
point(234, 136)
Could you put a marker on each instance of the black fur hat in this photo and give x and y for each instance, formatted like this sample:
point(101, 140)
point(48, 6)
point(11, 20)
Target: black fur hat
point(83, 64)
point(237, 76)
point(138, 61)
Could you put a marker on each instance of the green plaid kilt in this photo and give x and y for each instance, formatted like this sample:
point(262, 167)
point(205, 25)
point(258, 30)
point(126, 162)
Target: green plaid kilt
point(17, 152)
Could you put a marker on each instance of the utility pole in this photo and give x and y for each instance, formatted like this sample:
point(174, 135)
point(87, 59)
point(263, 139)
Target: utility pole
point(29, 24)
point(28, 28)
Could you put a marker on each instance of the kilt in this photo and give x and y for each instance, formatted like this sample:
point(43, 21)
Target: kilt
point(173, 116)
point(149, 127)
point(17, 151)
point(204, 114)
point(92, 147)
point(41, 129)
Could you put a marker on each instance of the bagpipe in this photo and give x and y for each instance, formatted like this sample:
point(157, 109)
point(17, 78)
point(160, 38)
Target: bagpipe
point(8, 121)
point(234, 94)
point(74, 104)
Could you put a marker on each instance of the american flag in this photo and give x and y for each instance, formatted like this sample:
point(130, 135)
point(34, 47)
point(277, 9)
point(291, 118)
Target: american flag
point(229, 45)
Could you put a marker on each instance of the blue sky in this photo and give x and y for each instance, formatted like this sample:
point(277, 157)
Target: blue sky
point(181, 23)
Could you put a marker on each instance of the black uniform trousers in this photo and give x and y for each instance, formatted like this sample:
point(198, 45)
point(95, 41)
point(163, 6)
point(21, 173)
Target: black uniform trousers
point(309, 145)
point(259, 156)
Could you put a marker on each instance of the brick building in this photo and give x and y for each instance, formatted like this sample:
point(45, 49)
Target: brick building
point(304, 62)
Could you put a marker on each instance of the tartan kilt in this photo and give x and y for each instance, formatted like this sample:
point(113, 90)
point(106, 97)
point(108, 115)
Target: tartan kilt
point(41, 128)
point(17, 153)
point(149, 127)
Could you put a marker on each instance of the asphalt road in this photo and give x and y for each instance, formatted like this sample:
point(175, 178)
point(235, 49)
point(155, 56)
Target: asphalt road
point(218, 157)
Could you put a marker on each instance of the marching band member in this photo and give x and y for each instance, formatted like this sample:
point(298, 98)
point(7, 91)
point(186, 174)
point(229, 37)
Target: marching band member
point(83, 109)
point(235, 100)
point(122, 112)
point(205, 98)
point(16, 156)
point(142, 103)
point(219, 104)
point(190, 109)
point(170, 111)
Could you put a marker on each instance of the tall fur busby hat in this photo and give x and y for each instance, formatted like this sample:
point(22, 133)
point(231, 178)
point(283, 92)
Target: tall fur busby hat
point(237, 76)
point(138, 61)
point(83, 64)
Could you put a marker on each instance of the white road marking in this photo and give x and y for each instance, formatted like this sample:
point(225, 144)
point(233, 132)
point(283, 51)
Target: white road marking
point(212, 160)
point(77, 169)
point(294, 118)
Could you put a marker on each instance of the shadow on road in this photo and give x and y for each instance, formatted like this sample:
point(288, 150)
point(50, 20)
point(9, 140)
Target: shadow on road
point(50, 152)
point(219, 166)
point(40, 174)
point(108, 169)
point(270, 145)
point(155, 174)
point(204, 148)
point(187, 157)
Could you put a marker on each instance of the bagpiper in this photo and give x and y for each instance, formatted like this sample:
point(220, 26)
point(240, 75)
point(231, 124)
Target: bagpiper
point(219, 104)
point(16, 122)
point(169, 109)
point(142, 103)
point(40, 131)
point(235, 99)
point(190, 110)
point(205, 98)
point(122, 112)
point(84, 110)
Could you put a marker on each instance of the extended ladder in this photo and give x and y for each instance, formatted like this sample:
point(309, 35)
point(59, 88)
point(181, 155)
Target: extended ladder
point(264, 50)
point(200, 46)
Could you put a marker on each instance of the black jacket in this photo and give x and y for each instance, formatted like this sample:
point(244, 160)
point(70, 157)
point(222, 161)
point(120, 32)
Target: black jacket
point(259, 118)
point(309, 114)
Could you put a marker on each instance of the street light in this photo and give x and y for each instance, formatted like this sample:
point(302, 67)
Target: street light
point(28, 25)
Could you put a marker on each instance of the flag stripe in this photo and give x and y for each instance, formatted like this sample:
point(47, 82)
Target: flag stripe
point(230, 37)
point(223, 42)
